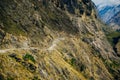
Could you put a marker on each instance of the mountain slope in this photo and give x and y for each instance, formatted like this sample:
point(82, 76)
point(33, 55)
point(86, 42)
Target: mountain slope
point(54, 40)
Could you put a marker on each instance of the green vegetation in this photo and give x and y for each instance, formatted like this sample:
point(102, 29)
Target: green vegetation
point(35, 78)
point(82, 67)
point(91, 78)
point(112, 35)
point(10, 26)
point(29, 57)
point(112, 64)
point(10, 78)
point(113, 68)
point(73, 61)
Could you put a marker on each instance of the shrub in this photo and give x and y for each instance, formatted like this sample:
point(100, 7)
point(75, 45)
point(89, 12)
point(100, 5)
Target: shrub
point(29, 57)
point(73, 61)
point(82, 67)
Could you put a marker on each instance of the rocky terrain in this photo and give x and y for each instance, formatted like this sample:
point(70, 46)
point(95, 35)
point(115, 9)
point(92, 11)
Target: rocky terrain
point(54, 40)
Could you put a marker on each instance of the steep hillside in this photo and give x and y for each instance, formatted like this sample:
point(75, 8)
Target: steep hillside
point(54, 40)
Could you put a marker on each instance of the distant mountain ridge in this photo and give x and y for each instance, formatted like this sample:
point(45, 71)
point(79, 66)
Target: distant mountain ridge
point(109, 13)
point(115, 19)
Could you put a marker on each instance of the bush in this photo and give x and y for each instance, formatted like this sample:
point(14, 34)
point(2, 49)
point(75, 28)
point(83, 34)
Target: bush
point(29, 57)
point(73, 61)
point(82, 67)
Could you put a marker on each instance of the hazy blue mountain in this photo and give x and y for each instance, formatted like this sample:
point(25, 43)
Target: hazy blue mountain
point(109, 11)
point(115, 19)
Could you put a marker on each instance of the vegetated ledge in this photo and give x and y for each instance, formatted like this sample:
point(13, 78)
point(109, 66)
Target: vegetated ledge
point(115, 41)
point(114, 37)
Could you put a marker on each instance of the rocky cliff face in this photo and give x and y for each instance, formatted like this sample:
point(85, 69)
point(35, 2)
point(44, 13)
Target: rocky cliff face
point(54, 40)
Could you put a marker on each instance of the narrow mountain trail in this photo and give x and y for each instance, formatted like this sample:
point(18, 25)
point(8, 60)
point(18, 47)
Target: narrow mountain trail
point(12, 49)
point(52, 47)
